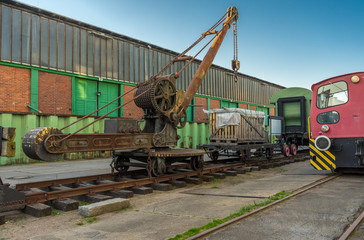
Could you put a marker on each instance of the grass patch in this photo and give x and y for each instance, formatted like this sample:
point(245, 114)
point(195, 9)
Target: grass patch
point(121, 210)
point(55, 212)
point(84, 203)
point(80, 223)
point(282, 170)
point(216, 180)
point(91, 219)
point(215, 187)
point(242, 211)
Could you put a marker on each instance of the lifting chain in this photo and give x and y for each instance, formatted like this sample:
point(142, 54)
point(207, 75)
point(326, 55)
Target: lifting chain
point(235, 63)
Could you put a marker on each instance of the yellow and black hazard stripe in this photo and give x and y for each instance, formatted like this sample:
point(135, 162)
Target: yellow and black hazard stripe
point(321, 160)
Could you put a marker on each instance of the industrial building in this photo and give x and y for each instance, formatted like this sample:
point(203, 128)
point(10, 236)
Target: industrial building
point(54, 69)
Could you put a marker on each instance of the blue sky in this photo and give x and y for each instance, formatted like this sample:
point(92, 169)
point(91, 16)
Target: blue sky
point(287, 42)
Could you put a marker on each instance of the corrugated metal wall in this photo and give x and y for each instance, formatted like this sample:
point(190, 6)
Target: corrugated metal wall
point(33, 37)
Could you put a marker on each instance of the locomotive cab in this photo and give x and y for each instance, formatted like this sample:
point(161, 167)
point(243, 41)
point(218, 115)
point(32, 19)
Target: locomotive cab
point(337, 119)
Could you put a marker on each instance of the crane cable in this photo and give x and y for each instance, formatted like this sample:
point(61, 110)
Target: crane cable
point(152, 78)
point(235, 62)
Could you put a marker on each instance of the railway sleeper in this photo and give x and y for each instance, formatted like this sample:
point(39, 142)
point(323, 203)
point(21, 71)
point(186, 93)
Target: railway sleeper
point(39, 210)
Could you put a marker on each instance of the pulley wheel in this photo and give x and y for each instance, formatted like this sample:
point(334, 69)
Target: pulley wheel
point(159, 95)
point(33, 144)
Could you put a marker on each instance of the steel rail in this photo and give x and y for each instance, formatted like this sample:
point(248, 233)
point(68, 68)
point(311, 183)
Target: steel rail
point(43, 196)
point(352, 227)
point(99, 177)
point(302, 190)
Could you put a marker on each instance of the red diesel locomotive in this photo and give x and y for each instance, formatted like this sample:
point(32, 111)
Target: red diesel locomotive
point(337, 123)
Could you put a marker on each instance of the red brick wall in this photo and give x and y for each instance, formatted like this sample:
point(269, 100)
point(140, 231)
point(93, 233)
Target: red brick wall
point(14, 89)
point(214, 103)
point(54, 93)
point(200, 116)
point(131, 110)
point(243, 105)
point(252, 107)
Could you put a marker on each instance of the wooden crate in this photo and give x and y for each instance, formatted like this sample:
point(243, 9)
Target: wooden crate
point(245, 126)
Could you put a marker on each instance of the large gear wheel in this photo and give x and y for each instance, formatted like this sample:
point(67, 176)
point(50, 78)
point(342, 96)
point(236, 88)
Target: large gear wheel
point(161, 95)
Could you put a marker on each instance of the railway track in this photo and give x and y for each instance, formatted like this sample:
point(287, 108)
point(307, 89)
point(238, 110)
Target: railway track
point(235, 220)
point(41, 191)
point(352, 227)
point(347, 233)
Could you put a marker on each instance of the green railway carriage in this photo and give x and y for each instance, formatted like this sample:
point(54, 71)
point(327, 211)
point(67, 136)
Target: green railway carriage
point(293, 105)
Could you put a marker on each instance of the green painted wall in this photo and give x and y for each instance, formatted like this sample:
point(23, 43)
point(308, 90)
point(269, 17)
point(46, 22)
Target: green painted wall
point(192, 134)
point(24, 123)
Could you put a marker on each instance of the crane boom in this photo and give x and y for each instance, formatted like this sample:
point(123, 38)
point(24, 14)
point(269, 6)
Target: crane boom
point(232, 15)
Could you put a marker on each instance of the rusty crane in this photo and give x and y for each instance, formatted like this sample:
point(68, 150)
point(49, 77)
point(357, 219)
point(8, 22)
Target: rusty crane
point(164, 112)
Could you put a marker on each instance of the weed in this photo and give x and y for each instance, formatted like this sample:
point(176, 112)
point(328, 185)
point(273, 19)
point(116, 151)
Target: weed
point(215, 187)
point(122, 209)
point(84, 203)
point(80, 223)
point(242, 211)
point(282, 170)
point(91, 219)
point(55, 212)
point(216, 180)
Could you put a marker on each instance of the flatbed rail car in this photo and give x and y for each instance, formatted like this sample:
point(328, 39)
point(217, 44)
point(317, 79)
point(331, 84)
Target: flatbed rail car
point(237, 132)
point(337, 133)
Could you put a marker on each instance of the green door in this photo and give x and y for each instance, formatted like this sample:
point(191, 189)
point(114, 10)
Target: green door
point(85, 96)
point(107, 93)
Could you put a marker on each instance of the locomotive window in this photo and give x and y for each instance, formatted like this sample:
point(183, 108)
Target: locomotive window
point(328, 117)
point(332, 94)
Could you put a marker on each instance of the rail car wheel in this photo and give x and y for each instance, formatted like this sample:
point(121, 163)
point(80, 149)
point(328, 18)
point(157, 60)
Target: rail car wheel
point(34, 144)
point(286, 150)
point(214, 155)
point(157, 167)
point(293, 149)
point(118, 164)
point(196, 163)
point(245, 155)
point(269, 153)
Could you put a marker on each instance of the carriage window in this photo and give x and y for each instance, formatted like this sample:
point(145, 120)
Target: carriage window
point(328, 117)
point(332, 94)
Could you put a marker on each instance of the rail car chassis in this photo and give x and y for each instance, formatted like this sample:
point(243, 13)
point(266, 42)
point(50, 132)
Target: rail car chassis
point(244, 151)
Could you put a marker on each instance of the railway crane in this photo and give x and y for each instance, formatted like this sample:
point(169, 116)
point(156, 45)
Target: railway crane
point(164, 112)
